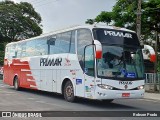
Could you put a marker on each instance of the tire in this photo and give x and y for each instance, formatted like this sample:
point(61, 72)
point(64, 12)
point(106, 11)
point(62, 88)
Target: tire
point(69, 92)
point(108, 101)
point(16, 83)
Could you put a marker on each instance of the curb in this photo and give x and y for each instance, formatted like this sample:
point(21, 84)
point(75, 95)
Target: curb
point(157, 100)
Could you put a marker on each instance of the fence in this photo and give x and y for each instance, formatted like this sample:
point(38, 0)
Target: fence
point(152, 82)
point(151, 78)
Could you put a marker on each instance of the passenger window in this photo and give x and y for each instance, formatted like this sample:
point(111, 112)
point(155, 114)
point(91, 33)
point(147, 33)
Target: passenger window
point(72, 43)
point(89, 60)
point(84, 37)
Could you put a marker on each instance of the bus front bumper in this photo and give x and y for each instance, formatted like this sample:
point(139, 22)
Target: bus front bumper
point(103, 94)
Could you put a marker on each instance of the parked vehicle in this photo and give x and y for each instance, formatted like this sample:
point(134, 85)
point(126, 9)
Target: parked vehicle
point(1, 70)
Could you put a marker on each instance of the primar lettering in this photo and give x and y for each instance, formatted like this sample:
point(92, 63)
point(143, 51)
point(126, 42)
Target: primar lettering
point(50, 62)
point(119, 34)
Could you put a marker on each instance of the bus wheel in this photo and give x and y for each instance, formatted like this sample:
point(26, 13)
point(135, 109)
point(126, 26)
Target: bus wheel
point(69, 92)
point(16, 83)
point(108, 101)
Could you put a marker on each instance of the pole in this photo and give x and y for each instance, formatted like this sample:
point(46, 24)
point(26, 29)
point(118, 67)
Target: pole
point(138, 24)
point(155, 65)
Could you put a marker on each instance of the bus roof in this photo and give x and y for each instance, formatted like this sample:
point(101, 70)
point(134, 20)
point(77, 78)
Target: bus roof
point(73, 28)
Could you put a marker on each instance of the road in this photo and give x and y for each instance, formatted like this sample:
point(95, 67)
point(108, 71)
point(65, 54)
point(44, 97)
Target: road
point(29, 100)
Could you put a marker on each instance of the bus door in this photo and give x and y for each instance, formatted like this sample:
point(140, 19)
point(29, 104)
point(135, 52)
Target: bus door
point(89, 70)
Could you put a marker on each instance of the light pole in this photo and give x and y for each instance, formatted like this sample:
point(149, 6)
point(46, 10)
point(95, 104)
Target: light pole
point(155, 64)
point(138, 22)
point(156, 52)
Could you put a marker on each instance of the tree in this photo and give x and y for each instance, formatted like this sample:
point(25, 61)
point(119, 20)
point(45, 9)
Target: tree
point(90, 21)
point(18, 21)
point(105, 17)
point(124, 14)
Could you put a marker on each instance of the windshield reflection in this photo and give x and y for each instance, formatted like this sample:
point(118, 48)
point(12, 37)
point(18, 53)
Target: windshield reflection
point(120, 62)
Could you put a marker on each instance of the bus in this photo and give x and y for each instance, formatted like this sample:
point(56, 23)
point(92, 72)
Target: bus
point(89, 61)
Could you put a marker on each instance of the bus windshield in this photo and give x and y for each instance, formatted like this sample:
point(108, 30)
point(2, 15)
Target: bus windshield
point(120, 62)
point(121, 54)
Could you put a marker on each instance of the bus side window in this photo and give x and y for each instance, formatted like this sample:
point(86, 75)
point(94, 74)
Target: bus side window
point(6, 53)
point(89, 60)
point(84, 37)
point(72, 42)
point(12, 51)
point(62, 43)
point(21, 50)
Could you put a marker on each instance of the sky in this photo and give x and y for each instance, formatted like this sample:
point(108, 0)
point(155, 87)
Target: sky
point(58, 14)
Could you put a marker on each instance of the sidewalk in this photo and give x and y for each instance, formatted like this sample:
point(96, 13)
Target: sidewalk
point(153, 96)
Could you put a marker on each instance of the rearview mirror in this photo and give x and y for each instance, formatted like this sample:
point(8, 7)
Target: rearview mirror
point(51, 41)
point(98, 49)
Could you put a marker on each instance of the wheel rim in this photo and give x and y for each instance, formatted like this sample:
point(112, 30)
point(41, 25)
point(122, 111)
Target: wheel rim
point(69, 91)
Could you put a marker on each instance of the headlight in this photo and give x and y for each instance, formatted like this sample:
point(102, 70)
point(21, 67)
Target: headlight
point(141, 87)
point(103, 86)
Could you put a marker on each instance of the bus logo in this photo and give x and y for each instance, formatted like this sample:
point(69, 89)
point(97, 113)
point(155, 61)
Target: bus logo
point(119, 34)
point(50, 62)
point(125, 82)
point(67, 63)
point(126, 86)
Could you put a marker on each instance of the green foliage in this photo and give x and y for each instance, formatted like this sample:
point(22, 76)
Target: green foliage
point(124, 14)
point(90, 21)
point(105, 17)
point(17, 21)
point(2, 47)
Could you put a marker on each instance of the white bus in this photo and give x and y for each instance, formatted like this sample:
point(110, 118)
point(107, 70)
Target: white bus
point(94, 62)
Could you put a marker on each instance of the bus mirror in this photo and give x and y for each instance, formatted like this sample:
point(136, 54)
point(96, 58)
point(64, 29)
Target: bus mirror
point(51, 41)
point(98, 49)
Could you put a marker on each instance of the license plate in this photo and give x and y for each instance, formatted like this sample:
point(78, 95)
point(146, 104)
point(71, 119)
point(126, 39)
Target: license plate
point(125, 94)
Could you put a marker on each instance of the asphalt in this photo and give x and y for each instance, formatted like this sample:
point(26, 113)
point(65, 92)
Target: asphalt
point(28, 100)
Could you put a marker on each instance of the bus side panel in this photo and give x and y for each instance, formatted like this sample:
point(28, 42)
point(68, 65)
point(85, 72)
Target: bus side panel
point(37, 77)
point(58, 81)
point(79, 82)
point(34, 76)
point(21, 69)
point(7, 73)
point(46, 80)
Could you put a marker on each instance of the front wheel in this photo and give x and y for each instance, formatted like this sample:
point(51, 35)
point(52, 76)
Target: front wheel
point(16, 84)
point(69, 92)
